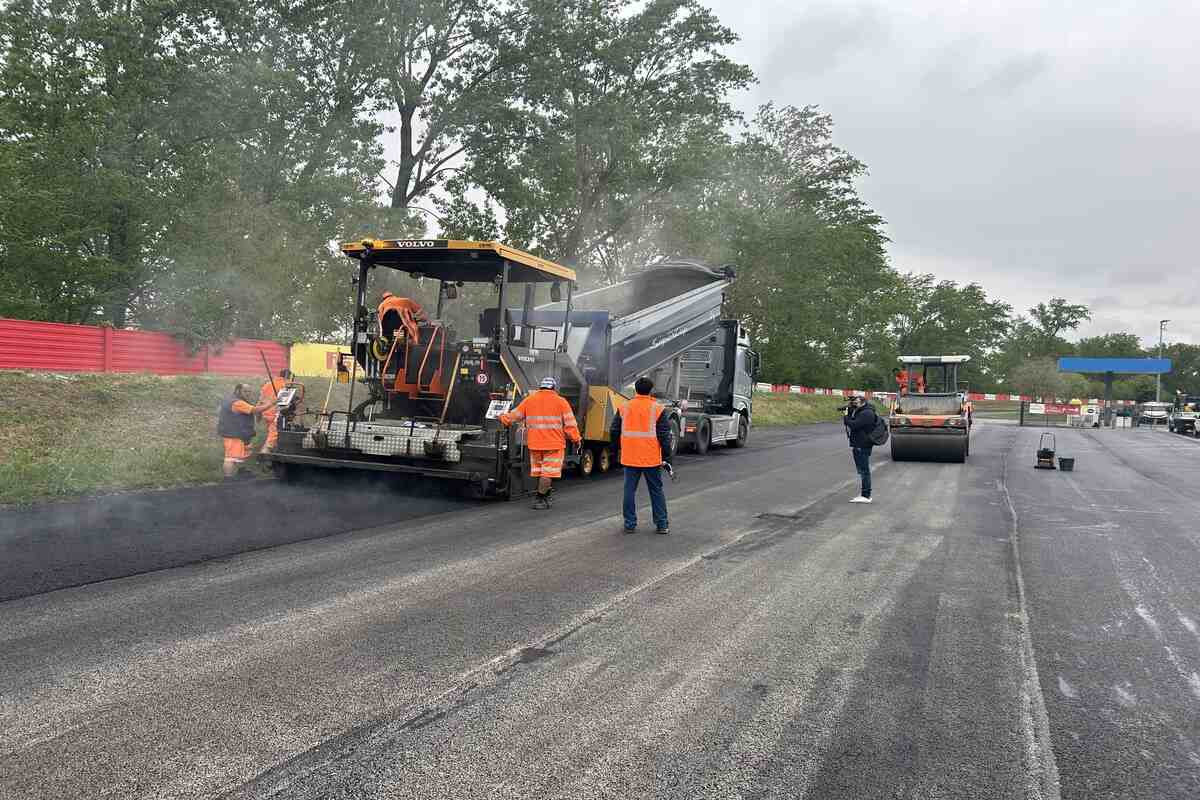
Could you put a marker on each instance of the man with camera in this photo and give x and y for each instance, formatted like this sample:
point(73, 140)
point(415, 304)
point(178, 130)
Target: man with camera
point(860, 420)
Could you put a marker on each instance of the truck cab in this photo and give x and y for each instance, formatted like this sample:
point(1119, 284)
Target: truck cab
point(711, 388)
point(1183, 415)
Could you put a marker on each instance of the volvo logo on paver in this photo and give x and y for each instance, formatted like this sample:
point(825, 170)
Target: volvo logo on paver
point(418, 243)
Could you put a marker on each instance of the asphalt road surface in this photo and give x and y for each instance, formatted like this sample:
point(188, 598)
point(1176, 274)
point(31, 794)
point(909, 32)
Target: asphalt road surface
point(56, 545)
point(981, 631)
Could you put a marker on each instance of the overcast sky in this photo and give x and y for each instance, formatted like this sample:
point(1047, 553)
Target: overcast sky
point(1040, 149)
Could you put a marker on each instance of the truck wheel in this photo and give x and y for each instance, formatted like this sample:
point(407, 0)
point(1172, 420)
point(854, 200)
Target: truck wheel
point(587, 462)
point(703, 438)
point(604, 460)
point(674, 436)
point(743, 434)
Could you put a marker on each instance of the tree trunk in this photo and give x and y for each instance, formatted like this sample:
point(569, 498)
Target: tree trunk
point(404, 172)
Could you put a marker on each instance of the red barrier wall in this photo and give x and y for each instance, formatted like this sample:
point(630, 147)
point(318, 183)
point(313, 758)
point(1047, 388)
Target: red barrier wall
point(85, 348)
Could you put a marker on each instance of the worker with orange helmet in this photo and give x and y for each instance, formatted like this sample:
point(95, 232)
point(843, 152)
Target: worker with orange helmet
point(396, 312)
point(643, 434)
point(550, 422)
point(269, 393)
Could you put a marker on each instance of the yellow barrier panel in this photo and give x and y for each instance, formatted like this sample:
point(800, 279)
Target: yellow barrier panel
point(315, 359)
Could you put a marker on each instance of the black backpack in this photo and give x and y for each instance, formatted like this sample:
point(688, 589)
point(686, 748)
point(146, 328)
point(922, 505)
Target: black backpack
point(879, 434)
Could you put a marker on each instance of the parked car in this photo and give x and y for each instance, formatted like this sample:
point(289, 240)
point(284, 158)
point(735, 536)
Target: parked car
point(1154, 413)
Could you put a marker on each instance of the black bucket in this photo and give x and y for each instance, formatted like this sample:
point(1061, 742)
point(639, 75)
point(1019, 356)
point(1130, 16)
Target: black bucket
point(1066, 464)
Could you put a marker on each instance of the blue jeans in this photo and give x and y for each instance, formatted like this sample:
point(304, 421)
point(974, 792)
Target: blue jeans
point(862, 463)
point(658, 500)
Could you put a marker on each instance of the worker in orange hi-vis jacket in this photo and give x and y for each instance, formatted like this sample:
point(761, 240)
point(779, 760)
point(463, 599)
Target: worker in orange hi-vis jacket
point(268, 394)
point(395, 312)
point(550, 421)
point(902, 380)
point(235, 426)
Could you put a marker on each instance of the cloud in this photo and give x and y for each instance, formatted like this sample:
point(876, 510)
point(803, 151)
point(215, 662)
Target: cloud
point(818, 39)
point(1039, 149)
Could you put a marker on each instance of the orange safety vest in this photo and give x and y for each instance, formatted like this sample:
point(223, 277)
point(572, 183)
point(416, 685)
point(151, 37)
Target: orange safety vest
point(548, 418)
point(639, 440)
point(266, 393)
point(410, 312)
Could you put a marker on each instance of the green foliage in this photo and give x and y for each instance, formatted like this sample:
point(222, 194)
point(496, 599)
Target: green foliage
point(169, 160)
point(943, 318)
point(1185, 369)
point(1057, 316)
point(617, 103)
point(1110, 345)
point(1039, 378)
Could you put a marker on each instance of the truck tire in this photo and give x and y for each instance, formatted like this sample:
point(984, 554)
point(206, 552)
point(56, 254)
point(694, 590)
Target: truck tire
point(604, 460)
point(675, 433)
point(285, 472)
point(743, 432)
point(703, 438)
point(587, 462)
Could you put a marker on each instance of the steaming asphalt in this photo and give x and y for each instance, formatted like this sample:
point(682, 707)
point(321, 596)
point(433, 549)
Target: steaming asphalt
point(780, 643)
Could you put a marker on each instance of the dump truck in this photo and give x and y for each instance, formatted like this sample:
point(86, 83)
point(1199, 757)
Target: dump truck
point(425, 400)
point(933, 424)
point(1183, 416)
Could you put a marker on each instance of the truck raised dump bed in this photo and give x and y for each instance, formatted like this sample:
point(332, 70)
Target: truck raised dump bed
point(426, 399)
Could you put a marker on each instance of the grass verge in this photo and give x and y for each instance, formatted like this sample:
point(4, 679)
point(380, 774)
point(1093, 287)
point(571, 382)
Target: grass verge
point(64, 436)
point(796, 409)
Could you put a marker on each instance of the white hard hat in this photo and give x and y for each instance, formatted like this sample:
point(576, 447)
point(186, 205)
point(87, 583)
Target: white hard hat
point(549, 383)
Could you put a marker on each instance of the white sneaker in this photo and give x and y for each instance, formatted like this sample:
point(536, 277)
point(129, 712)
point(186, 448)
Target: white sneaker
point(861, 499)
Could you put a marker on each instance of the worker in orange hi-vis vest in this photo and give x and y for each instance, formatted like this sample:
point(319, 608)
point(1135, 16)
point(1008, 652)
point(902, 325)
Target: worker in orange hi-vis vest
point(643, 434)
point(268, 393)
point(395, 312)
point(902, 380)
point(550, 422)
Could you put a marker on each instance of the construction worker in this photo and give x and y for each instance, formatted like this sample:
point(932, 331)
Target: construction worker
point(269, 393)
point(395, 312)
point(235, 425)
point(550, 421)
point(643, 434)
point(902, 380)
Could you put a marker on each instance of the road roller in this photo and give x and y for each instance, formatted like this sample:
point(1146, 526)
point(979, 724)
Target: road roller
point(930, 419)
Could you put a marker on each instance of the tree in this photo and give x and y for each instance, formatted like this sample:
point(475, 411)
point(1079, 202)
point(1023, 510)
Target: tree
point(1039, 378)
point(943, 318)
point(1185, 368)
point(1057, 316)
point(91, 96)
point(1110, 345)
point(617, 104)
point(441, 70)
point(814, 286)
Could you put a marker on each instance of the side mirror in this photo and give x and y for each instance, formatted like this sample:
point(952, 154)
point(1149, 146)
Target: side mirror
point(556, 292)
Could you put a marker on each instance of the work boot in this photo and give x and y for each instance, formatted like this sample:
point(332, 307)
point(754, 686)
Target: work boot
point(549, 497)
point(540, 502)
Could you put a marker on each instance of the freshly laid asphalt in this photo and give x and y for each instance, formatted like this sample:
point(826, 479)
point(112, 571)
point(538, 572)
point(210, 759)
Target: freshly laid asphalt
point(981, 631)
point(57, 545)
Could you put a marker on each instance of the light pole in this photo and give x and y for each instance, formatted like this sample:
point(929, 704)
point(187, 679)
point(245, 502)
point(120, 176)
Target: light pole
point(1162, 323)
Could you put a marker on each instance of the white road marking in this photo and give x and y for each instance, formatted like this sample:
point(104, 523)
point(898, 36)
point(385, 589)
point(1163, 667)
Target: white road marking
point(1039, 751)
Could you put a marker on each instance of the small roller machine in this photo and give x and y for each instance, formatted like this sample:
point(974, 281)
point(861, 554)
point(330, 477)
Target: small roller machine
point(933, 424)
